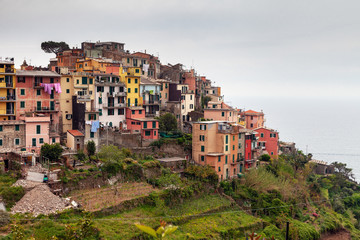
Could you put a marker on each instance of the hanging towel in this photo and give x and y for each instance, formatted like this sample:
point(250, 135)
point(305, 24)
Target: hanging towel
point(145, 68)
point(95, 126)
point(88, 122)
point(57, 87)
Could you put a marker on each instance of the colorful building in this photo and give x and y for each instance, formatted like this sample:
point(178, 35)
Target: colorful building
point(251, 155)
point(150, 94)
point(38, 94)
point(132, 83)
point(187, 102)
point(137, 123)
point(216, 143)
point(268, 141)
point(164, 92)
point(12, 135)
point(7, 90)
point(110, 100)
point(253, 119)
point(38, 133)
point(219, 111)
point(68, 90)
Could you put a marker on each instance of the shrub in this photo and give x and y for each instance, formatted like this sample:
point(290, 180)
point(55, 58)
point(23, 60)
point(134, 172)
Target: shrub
point(11, 195)
point(265, 158)
point(4, 218)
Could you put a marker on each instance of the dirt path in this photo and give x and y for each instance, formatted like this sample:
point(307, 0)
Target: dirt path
point(341, 235)
point(96, 199)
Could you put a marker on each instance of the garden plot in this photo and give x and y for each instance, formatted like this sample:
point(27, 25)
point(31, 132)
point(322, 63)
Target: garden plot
point(99, 198)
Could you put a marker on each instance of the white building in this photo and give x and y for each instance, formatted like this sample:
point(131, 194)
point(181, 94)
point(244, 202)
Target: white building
point(110, 100)
point(187, 101)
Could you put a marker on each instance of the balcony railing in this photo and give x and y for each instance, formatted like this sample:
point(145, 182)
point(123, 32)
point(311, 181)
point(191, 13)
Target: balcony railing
point(154, 102)
point(85, 98)
point(46, 109)
point(7, 112)
point(6, 85)
point(120, 94)
point(8, 98)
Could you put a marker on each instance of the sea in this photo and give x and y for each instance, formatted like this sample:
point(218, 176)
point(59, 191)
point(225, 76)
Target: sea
point(328, 128)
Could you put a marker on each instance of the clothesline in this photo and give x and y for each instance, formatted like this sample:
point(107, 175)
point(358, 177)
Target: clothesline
point(48, 87)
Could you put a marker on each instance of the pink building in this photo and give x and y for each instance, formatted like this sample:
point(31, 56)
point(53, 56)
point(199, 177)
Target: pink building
point(38, 94)
point(253, 119)
point(219, 111)
point(137, 122)
point(37, 133)
point(268, 141)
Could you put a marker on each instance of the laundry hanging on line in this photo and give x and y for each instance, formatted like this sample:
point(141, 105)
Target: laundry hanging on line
point(48, 87)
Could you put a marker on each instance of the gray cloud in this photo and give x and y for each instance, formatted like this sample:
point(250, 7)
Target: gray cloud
point(279, 47)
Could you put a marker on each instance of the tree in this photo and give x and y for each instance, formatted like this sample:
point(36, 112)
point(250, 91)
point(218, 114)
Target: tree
point(167, 122)
point(52, 152)
point(205, 100)
point(54, 47)
point(265, 158)
point(91, 148)
point(342, 173)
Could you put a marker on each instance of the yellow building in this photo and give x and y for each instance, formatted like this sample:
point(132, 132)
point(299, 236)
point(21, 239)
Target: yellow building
point(67, 85)
point(132, 83)
point(93, 65)
point(7, 89)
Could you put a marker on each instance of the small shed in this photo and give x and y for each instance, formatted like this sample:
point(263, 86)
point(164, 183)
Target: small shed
point(75, 140)
point(322, 167)
point(177, 164)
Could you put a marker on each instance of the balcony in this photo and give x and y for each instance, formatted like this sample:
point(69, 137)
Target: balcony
point(46, 109)
point(155, 102)
point(120, 94)
point(116, 105)
point(9, 98)
point(84, 98)
point(7, 112)
point(37, 84)
point(6, 85)
point(7, 70)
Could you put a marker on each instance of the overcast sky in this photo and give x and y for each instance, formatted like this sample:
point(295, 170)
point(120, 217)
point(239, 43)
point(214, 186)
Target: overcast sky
point(252, 48)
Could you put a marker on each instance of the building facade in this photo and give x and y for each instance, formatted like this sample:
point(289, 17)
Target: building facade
point(7, 89)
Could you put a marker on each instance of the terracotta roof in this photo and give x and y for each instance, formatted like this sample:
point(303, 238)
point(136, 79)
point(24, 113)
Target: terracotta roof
point(76, 133)
point(252, 112)
point(36, 73)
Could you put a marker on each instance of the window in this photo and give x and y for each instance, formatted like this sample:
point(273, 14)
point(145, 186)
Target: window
point(191, 106)
point(38, 129)
point(154, 133)
point(1, 142)
point(90, 81)
point(22, 104)
point(84, 80)
point(67, 90)
point(140, 111)
point(136, 81)
point(129, 90)
point(53, 140)
point(239, 145)
point(67, 80)
point(147, 133)
point(137, 70)
point(51, 80)
point(110, 112)
point(274, 135)
point(38, 92)
point(234, 138)
point(219, 169)
point(183, 106)
point(52, 105)
point(202, 127)
point(262, 135)
point(120, 111)
point(34, 142)
point(21, 79)
point(272, 153)
point(22, 92)
point(100, 112)
point(219, 158)
point(68, 116)
point(239, 136)
point(227, 139)
point(190, 97)
point(203, 148)
point(222, 114)
point(91, 134)
point(233, 157)
point(38, 105)
point(136, 90)
point(77, 81)
point(202, 138)
point(202, 158)
point(17, 127)
point(251, 125)
point(129, 80)
point(233, 147)
point(226, 148)
point(145, 124)
point(41, 140)
point(92, 116)
point(226, 159)
point(17, 141)
point(1, 128)
point(128, 60)
point(133, 112)
point(252, 118)
point(128, 102)
point(100, 100)
point(154, 124)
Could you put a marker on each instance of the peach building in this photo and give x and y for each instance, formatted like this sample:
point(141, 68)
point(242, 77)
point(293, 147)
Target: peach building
point(37, 133)
point(219, 111)
point(253, 119)
point(136, 122)
point(216, 143)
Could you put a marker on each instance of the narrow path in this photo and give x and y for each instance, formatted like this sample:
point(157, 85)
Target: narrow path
point(341, 235)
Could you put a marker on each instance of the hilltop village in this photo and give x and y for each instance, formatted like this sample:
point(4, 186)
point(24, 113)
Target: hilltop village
point(103, 93)
point(105, 143)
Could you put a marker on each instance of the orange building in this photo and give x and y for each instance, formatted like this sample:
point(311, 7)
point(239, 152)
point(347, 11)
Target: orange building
point(219, 111)
point(216, 143)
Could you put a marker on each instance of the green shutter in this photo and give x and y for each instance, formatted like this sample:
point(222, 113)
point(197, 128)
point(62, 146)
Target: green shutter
point(145, 124)
point(84, 80)
point(1, 128)
point(34, 142)
point(38, 105)
point(38, 129)
point(154, 125)
point(17, 127)
point(1, 142)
